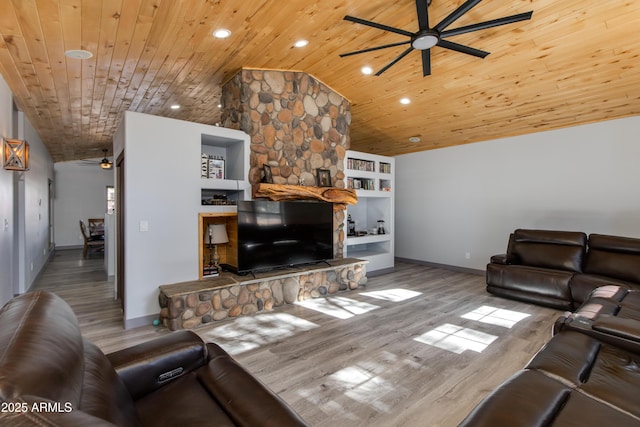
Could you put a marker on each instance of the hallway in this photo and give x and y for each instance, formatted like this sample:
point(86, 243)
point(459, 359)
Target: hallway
point(83, 284)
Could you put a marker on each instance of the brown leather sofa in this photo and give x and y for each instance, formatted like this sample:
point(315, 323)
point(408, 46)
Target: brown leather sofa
point(51, 376)
point(587, 375)
point(589, 371)
point(575, 380)
point(560, 269)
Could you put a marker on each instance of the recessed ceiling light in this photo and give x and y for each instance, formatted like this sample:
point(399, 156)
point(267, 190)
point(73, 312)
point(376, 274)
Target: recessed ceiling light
point(301, 43)
point(414, 139)
point(175, 107)
point(78, 54)
point(222, 33)
point(366, 70)
point(219, 105)
point(405, 101)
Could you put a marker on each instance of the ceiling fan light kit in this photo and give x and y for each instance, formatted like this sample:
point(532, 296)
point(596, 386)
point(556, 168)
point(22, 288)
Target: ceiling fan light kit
point(105, 163)
point(427, 37)
point(425, 40)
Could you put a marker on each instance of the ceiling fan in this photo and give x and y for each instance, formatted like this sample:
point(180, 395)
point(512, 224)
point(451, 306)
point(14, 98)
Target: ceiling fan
point(105, 163)
point(427, 37)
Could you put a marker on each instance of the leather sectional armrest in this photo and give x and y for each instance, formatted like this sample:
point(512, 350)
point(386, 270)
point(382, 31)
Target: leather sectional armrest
point(245, 398)
point(150, 365)
point(620, 332)
point(628, 329)
point(503, 259)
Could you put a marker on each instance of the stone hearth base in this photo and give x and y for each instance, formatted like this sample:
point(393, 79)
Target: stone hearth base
point(191, 304)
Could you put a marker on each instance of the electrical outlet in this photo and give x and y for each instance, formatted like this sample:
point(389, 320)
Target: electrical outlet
point(467, 255)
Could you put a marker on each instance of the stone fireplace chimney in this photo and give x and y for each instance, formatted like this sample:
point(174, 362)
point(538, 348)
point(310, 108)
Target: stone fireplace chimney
point(297, 126)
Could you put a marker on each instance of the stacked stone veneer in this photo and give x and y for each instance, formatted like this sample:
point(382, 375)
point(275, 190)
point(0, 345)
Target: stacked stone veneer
point(194, 308)
point(297, 126)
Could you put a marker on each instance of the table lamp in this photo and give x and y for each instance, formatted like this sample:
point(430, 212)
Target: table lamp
point(217, 235)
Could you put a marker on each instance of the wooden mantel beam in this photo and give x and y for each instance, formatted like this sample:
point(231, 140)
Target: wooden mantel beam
point(340, 197)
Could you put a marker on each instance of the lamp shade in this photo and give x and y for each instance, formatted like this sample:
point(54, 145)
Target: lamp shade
point(15, 153)
point(218, 233)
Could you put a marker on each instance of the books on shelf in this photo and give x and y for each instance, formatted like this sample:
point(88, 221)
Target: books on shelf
point(361, 183)
point(367, 165)
point(360, 165)
point(210, 271)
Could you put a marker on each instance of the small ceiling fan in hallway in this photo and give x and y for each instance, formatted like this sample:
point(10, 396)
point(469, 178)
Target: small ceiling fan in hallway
point(105, 163)
point(427, 37)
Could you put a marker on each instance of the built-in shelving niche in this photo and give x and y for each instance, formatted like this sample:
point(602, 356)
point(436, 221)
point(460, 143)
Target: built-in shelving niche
point(233, 187)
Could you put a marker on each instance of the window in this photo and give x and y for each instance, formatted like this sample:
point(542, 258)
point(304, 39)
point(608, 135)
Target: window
point(111, 199)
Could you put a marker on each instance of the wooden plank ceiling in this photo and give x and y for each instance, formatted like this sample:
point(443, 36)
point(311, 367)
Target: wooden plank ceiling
point(574, 62)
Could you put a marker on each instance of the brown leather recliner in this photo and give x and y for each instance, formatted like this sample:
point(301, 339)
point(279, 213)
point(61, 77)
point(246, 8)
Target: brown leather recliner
point(538, 267)
point(51, 375)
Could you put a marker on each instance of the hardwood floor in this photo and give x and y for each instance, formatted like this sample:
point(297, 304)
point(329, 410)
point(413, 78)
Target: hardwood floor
point(396, 352)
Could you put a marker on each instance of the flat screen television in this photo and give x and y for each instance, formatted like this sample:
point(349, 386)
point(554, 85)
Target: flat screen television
point(283, 234)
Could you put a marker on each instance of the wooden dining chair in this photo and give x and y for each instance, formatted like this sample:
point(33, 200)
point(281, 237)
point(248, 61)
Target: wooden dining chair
point(95, 226)
point(91, 242)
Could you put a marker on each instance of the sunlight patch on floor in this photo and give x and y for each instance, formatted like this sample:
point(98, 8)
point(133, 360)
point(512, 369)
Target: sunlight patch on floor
point(247, 333)
point(394, 295)
point(496, 316)
point(340, 307)
point(456, 339)
point(363, 386)
point(373, 382)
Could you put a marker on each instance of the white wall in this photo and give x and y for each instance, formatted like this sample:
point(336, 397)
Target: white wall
point(162, 189)
point(6, 201)
point(24, 198)
point(467, 199)
point(80, 193)
point(36, 205)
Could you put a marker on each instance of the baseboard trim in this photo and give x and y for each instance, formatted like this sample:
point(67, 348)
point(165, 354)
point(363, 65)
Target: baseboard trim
point(380, 272)
point(52, 250)
point(444, 266)
point(64, 248)
point(139, 321)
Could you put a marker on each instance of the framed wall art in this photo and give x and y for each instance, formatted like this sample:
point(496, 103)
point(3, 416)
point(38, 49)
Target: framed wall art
point(324, 178)
point(268, 176)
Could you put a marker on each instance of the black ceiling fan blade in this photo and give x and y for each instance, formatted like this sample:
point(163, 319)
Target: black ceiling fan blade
point(426, 62)
point(371, 49)
point(487, 24)
point(456, 14)
point(390, 64)
point(378, 26)
point(423, 14)
point(462, 48)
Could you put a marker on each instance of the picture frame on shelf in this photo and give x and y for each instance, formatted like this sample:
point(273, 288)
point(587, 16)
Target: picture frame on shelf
point(324, 177)
point(216, 168)
point(268, 176)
